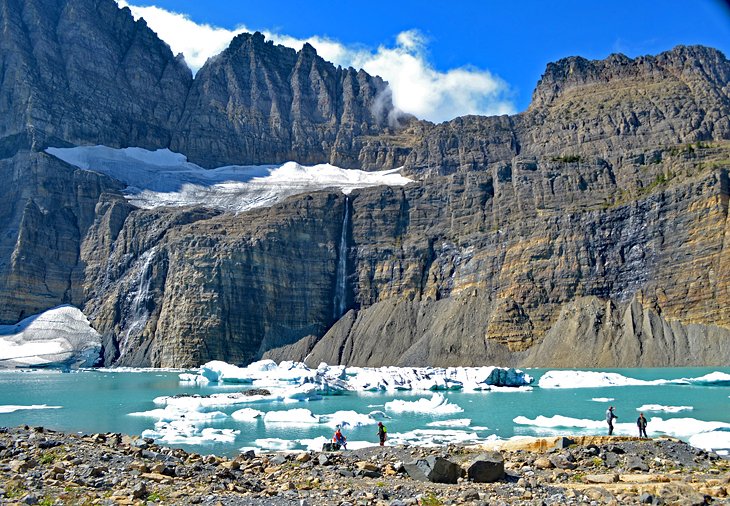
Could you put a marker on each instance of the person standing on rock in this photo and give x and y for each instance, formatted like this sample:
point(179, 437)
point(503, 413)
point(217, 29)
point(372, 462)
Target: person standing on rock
point(641, 422)
point(609, 418)
point(382, 433)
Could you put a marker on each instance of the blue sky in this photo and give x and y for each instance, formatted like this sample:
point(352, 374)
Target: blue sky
point(480, 56)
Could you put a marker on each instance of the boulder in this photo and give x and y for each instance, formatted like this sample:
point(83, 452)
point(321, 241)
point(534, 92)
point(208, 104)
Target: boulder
point(486, 468)
point(601, 478)
point(563, 442)
point(330, 447)
point(435, 469)
point(561, 462)
point(635, 463)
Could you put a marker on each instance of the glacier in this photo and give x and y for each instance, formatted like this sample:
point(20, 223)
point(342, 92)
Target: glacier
point(165, 178)
point(59, 337)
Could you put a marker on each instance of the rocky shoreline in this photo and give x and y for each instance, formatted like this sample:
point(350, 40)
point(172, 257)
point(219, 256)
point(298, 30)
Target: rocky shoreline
point(41, 466)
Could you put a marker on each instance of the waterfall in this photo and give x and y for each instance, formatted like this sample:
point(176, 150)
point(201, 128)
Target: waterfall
point(341, 285)
point(138, 314)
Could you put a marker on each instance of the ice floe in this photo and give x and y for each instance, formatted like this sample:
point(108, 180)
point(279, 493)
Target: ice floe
point(172, 413)
point(273, 443)
point(677, 427)
point(58, 337)
point(664, 409)
point(184, 431)
point(12, 408)
point(459, 422)
point(716, 440)
point(590, 379)
point(348, 419)
point(298, 416)
point(247, 415)
point(437, 405)
point(716, 378)
point(596, 379)
point(432, 437)
point(164, 178)
point(328, 380)
point(603, 399)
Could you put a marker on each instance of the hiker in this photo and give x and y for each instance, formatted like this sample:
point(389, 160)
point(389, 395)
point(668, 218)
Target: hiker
point(641, 422)
point(382, 431)
point(609, 418)
point(339, 439)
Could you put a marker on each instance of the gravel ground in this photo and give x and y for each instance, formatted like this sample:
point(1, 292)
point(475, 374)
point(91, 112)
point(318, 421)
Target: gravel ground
point(39, 466)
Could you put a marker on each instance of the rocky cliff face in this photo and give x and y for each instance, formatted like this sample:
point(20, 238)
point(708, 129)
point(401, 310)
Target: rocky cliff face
point(261, 103)
point(587, 109)
point(453, 278)
point(84, 72)
point(594, 221)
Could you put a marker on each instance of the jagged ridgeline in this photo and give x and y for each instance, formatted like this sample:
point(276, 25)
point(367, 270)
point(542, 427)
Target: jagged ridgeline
point(590, 230)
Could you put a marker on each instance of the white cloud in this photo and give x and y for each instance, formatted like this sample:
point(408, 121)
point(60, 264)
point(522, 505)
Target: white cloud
point(418, 88)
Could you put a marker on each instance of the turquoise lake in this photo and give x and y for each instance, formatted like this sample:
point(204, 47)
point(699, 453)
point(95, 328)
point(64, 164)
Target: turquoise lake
point(101, 401)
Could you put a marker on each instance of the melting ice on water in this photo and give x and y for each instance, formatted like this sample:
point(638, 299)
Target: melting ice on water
point(332, 379)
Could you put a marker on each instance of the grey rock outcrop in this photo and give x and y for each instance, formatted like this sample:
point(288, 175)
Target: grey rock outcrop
point(486, 468)
point(434, 469)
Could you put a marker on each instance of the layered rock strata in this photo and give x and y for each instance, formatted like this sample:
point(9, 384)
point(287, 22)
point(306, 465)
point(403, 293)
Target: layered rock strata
point(595, 220)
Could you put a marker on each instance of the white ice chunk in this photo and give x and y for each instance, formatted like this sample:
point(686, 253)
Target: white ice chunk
point(348, 419)
point(590, 379)
point(272, 443)
point(298, 416)
point(677, 427)
point(603, 399)
point(185, 431)
point(437, 404)
point(665, 409)
point(432, 437)
point(716, 440)
point(459, 422)
point(171, 413)
point(197, 402)
point(327, 380)
point(247, 415)
point(12, 408)
point(58, 337)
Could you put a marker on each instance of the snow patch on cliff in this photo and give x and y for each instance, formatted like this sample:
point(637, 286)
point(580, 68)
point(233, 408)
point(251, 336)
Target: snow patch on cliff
point(59, 337)
point(164, 178)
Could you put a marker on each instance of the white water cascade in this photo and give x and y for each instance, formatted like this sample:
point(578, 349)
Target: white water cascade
point(138, 313)
point(341, 285)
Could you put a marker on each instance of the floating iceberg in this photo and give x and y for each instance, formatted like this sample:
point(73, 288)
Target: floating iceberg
point(716, 440)
point(459, 422)
point(677, 427)
point(590, 379)
point(716, 378)
point(596, 379)
point(603, 399)
point(328, 380)
point(184, 431)
point(437, 405)
point(59, 337)
point(164, 178)
point(247, 415)
point(432, 437)
point(664, 409)
point(349, 419)
point(298, 416)
point(12, 408)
